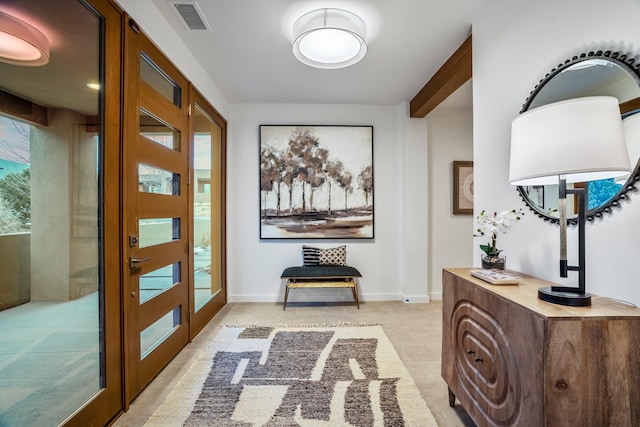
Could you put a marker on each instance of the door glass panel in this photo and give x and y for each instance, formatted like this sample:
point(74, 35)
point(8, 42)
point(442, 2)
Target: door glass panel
point(156, 231)
point(155, 180)
point(157, 281)
point(157, 79)
point(159, 132)
point(160, 330)
point(206, 210)
point(51, 293)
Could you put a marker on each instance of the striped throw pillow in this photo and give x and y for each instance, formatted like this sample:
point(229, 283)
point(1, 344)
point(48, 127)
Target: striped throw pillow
point(310, 255)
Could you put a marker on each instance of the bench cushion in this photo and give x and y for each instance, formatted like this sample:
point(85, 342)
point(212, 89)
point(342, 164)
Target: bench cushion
point(320, 271)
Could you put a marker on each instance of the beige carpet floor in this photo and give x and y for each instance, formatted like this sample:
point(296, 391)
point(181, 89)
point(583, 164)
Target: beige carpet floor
point(413, 329)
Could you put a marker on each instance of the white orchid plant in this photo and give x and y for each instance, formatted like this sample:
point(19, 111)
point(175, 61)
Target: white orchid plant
point(492, 225)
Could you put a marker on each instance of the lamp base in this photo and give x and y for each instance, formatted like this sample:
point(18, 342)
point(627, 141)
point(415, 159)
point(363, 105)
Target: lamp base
point(564, 296)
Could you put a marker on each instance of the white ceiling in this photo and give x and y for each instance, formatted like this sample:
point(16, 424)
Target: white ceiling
point(248, 51)
point(72, 31)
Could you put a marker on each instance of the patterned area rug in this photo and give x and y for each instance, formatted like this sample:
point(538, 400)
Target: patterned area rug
point(296, 376)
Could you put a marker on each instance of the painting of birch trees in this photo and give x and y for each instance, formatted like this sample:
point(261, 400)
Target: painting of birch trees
point(316, 182)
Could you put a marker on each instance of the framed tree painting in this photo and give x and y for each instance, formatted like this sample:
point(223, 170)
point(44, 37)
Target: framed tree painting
point(462, 187)
point(316, 182)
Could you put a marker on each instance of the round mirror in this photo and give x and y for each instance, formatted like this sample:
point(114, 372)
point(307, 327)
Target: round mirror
point(590, 74)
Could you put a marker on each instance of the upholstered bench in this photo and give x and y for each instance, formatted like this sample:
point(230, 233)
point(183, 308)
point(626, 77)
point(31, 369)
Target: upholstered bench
point(321, 276)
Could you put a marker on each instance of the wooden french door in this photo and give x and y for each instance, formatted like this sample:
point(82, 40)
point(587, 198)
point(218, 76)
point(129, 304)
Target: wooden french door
point(208, 278)
point(156, 222)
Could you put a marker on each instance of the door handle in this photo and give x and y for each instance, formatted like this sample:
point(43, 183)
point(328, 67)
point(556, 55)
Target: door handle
point(135, 263)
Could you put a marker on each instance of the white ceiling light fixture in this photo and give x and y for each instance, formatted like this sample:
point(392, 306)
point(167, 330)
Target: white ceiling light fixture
point(21, 43)
point(329, 38)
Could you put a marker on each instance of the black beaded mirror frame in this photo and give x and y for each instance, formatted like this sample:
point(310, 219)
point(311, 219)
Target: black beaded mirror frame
point(629, 65)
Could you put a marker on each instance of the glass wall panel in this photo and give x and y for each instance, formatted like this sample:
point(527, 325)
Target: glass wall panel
point(206, 210)
point(155, 180)
point(159, 331)
point(158, 131)
point(157, 79)
point(51, 294)
point(156, 231)
point(157, 281)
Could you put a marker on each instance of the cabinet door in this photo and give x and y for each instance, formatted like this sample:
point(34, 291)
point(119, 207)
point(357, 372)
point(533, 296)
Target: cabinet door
point(593, 375)
point(492, 355)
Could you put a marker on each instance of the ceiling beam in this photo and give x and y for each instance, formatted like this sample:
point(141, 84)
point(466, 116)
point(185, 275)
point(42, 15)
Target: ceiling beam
point(631, 105)
point(453, 74)
point(23, 109)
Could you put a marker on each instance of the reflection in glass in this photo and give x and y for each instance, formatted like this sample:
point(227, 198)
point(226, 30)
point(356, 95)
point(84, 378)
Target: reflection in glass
point(593, 77)
point(157, 281)
point(157, 131)
point(51, 312)
point(159, 331)
point(535, 193)
point(156, 231)
point(159, 181)
point(601, 191)
point(151, 74)
point(206, 207)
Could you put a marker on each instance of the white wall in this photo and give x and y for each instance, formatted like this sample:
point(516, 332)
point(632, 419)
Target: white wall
point(515, 43)
point(451, 236)
point(394, 264)
point(393, 267)
point(415, 233)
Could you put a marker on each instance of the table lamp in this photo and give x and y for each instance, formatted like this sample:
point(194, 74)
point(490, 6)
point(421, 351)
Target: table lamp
point(570, 141)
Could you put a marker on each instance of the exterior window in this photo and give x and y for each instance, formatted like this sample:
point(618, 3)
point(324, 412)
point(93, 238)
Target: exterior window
point(51, 246)
point(15, 173)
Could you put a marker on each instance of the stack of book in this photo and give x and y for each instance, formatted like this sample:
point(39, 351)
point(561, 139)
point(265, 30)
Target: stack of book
point(496, 277)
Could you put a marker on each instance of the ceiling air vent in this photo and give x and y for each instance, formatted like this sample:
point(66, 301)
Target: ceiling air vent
point(190, 15)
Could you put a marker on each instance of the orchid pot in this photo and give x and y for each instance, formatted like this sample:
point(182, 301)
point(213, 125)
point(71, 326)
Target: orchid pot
point(492, 226)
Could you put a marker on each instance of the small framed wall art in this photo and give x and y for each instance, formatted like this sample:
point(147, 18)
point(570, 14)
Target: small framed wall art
point(316, 182)
point(463, 188)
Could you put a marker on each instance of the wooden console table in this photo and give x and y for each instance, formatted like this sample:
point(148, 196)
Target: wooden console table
point(514, 360)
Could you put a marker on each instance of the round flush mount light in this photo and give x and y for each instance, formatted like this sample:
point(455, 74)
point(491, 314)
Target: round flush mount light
point(21, 43)
point(329, 38)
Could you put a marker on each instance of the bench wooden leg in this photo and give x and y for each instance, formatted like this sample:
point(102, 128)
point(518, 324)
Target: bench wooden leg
point(286, 295)
point(355, 295)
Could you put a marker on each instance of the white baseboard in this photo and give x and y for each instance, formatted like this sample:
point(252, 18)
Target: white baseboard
point(436, 296)
point(314, 295)
point(416, 299)
point(253, 298)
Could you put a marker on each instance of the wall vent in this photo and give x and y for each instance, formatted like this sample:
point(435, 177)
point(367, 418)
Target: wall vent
point(190, 15)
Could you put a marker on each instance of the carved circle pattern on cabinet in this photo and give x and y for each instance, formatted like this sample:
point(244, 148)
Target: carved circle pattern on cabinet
point(537, 364)
point(485, 364)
